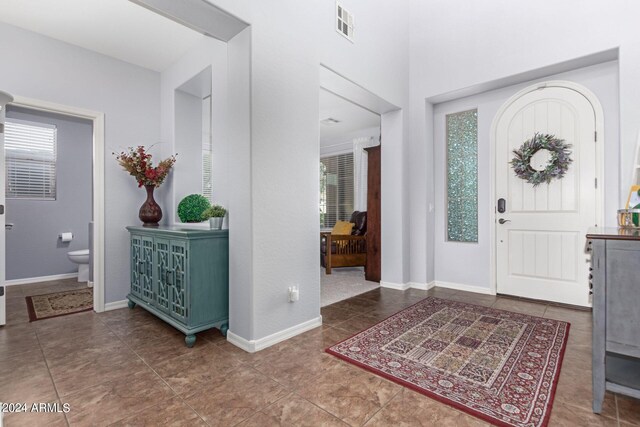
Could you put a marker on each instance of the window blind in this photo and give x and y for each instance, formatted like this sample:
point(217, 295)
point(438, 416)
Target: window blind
point(336, 189)
point(207, 150)
point(30, 151)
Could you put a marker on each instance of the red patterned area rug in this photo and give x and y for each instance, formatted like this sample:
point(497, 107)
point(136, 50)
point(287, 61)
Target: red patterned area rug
point(497, 365)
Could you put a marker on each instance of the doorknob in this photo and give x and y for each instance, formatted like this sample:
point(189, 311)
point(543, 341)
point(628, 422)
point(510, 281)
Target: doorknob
point(502, 220)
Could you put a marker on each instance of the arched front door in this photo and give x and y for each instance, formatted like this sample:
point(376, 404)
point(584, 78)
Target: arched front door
point(540, 236)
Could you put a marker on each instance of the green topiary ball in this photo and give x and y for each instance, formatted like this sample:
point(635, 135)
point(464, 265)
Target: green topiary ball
point(190, 208)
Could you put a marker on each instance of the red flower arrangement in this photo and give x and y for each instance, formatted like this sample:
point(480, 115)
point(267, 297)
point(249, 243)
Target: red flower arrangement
point(138, 163)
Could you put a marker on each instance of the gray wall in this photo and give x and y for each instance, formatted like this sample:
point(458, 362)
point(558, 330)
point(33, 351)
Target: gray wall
point(129, 96)
point(33, 248)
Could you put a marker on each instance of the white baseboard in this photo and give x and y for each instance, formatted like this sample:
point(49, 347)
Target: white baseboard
point(421, 286)
point(238, 341)
point(116, 305)
point(51, 278)
point(252, 346)
point(408, 285)
point(396, 286)
point(462, 287)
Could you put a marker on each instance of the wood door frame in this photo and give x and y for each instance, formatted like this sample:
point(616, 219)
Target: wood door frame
point(98, 184)
point(599, 123)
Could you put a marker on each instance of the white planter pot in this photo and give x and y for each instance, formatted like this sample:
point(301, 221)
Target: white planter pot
point(215, 223)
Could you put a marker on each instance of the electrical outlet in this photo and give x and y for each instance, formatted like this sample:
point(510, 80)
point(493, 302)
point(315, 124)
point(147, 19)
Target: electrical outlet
point(294, 294)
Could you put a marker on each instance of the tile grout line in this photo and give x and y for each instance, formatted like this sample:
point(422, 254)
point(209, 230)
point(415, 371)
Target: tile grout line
point(176, 394)
point(383, 406)
point(294, 390)
point(260, 410)
point(44, 357)
point(81, 389)
point(587, 408)
point(180, 396)
point(138, 356)
point(320, 407)
point(246, 365)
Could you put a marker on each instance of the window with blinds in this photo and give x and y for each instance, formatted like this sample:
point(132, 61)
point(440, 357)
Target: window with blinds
point(207, 150)
point(336, 189)
point(30, 152)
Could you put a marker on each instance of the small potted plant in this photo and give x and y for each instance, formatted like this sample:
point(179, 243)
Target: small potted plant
point(215, 214)
point(191, 208)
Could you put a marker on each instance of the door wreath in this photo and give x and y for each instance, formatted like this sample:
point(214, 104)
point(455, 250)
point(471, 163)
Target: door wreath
point(556, 167)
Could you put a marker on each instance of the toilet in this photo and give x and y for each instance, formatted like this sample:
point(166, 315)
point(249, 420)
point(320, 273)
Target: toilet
point(81, 258)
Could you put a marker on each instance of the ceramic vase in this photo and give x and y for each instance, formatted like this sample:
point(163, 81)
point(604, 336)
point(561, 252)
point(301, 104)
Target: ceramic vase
point(150, 213)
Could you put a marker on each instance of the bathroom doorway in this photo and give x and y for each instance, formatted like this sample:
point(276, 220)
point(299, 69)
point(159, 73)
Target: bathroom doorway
point(54, 204)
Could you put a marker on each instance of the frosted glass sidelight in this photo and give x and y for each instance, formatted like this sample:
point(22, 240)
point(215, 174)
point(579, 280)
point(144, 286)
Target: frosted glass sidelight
point(462, 176)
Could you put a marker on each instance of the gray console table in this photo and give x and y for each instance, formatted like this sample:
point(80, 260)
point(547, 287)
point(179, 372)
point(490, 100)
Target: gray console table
point(615, 281)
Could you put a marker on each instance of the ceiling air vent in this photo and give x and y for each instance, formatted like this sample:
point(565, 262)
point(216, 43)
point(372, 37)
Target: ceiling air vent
point(344, 22)
point(330, 121)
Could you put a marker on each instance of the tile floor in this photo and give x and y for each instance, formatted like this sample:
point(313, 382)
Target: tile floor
point(125, 367)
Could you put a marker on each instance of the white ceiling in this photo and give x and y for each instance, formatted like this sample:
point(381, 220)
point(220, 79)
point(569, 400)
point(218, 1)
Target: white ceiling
point(116, 28)
point(351, 116)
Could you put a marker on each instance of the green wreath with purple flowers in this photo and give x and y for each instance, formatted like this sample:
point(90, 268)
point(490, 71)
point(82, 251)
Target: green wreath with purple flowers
point(560, 159)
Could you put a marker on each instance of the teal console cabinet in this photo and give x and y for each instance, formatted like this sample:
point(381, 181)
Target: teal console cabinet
point(181, 275)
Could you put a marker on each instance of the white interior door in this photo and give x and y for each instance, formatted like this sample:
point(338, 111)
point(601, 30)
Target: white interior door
point(540, 250)
point(3, 312)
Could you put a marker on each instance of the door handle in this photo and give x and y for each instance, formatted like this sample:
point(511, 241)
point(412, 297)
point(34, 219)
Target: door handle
point(502, 220)
point(8, 226)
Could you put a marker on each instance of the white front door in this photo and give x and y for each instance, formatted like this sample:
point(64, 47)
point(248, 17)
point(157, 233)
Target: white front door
point(540, 244)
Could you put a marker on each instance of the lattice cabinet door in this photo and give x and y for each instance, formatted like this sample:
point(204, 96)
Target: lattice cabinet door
point(163, 274)
point(137, 264)
point(146, 275)
point(178, 297)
